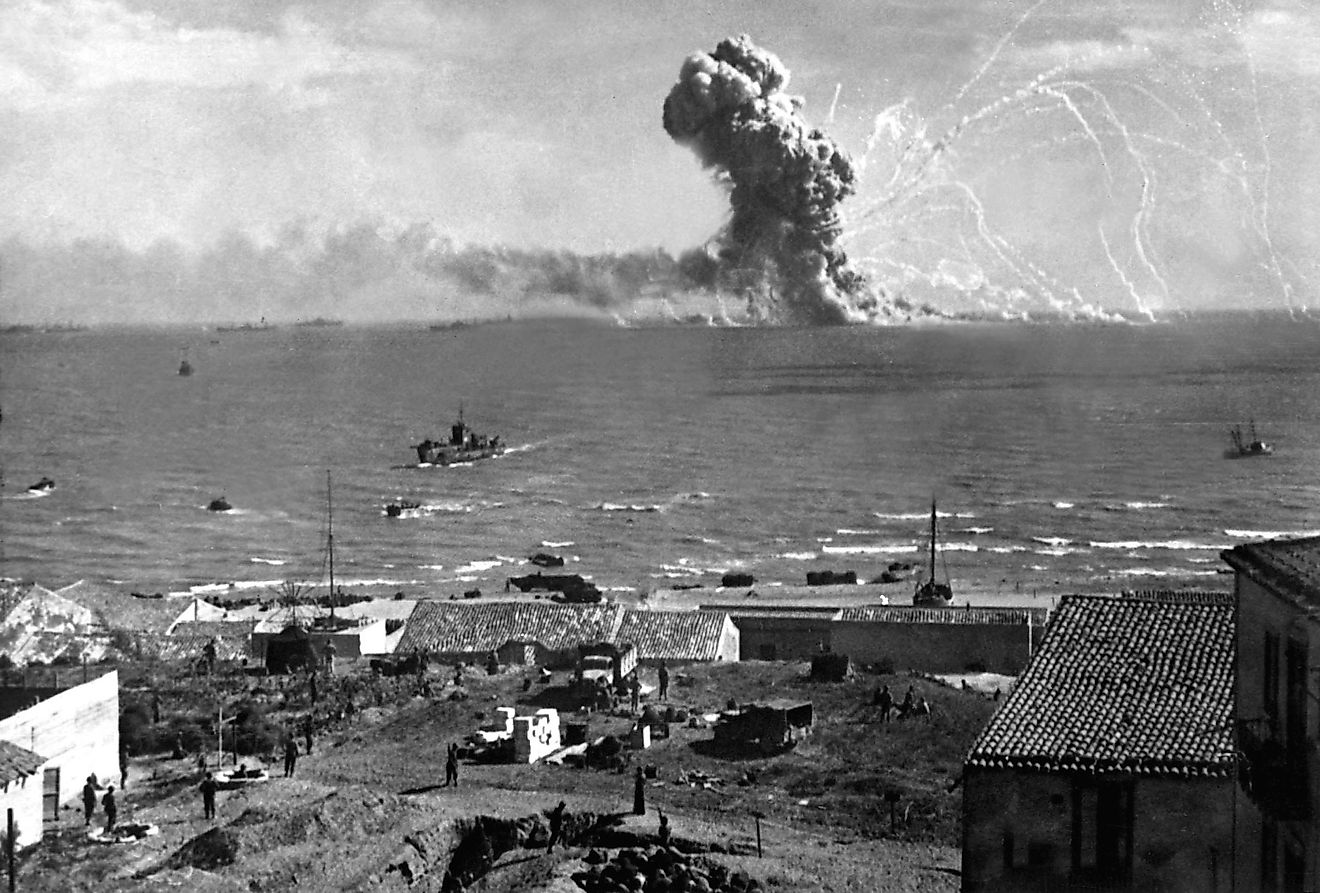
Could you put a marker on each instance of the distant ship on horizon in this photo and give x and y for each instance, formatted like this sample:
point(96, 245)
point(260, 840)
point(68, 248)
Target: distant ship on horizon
point(247, 327)
point(1246, 447)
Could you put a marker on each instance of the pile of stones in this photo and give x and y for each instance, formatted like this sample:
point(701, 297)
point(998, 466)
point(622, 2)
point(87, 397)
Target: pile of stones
point(658, 869)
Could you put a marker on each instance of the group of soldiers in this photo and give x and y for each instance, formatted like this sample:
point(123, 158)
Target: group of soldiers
point(911, 705)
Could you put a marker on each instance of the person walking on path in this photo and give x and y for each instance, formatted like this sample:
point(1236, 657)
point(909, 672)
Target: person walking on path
point(451, 766)
point(290, 756)
point(89, 800)
point(111, 810)
point(635, 689)
point(639, 793)
point(208, 796)
point(664, 681)
point(556, 827)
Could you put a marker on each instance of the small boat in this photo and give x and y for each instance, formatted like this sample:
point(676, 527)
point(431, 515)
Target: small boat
point(395, 509)
point(464, 445)
point(219, 504)
point(1246, 447)
point(185, 368)
point(930, 593)
point(545, 559)
point(42, 486)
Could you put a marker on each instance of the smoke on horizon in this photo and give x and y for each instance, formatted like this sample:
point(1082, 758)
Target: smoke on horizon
point(359, 273)
point(785, 180)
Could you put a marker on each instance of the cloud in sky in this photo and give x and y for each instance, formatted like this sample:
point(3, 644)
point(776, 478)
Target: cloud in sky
point(174, 125)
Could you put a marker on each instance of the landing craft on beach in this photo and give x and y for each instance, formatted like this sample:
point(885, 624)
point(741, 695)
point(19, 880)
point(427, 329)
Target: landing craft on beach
point(464, 445)
point(45, 485)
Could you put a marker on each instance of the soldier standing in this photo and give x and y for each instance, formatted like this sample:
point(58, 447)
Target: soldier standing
point(89, 800)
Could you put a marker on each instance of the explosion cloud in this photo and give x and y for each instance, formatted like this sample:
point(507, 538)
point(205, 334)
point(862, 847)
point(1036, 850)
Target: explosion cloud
point(785, 181)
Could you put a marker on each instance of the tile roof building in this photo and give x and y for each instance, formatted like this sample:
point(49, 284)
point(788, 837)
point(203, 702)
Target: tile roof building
point(679, 636)
point(453, 631)
point(1277, 833)
point(1111, 762)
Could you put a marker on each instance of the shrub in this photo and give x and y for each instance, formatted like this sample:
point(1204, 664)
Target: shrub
point(136, 733)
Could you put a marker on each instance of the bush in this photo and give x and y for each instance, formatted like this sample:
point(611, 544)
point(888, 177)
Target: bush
point(254, 733)
point(136, 733)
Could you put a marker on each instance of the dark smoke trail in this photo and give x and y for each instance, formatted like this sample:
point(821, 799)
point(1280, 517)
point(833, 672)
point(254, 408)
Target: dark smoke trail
point(785, 180)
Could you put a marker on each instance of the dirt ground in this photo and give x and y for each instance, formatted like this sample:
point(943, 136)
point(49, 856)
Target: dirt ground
point(823, 818)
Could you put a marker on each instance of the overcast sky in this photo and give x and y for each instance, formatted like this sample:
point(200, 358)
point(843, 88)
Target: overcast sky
point(1154, 155)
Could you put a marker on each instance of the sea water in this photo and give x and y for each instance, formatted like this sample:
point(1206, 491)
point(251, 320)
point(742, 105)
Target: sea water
point(1064, 458)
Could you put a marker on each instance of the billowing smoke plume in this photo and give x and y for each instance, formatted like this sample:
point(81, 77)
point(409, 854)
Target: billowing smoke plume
point(785, 181)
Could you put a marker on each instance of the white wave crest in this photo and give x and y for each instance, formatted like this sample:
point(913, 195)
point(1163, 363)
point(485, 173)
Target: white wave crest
point(1176, 545)
point(1271, 534)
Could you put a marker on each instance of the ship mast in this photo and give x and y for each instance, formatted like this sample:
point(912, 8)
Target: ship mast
point(330, 542)
point(932, 541)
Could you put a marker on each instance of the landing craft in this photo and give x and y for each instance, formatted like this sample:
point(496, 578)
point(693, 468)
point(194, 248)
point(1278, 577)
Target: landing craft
point(464, 445)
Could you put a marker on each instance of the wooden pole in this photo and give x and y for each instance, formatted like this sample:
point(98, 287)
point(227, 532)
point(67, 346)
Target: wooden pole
point(759, 854)
point(9, 852)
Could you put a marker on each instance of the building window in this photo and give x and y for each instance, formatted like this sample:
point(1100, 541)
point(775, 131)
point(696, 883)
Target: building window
point(1271, 675)
point(1102, 831)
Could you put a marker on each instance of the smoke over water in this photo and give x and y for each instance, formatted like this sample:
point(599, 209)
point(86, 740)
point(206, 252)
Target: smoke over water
point(785, 179)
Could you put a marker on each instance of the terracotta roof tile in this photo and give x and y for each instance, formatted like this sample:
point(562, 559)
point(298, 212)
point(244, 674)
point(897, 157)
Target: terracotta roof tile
point(1291, 567)
point(914, 614)
point(1129, 683)
point(464, 627)
point(672, 635)
point(18, 762)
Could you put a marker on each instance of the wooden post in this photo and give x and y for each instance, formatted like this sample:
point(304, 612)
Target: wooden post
point(759, 854)
point(9, 851)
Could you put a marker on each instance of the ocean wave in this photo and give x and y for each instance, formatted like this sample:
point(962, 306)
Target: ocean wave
point(1177, 545)
point(1162, 572)
point(1271, 534)
point(1053, 540)
point(879, 549)
point(551, 544)
point(824, 539)
point(476, 567)
point(797, 556)
point(920, 516)
point(274, 561)
point(1057, 551)
point(1063, 505)
point(1139, 505)
point(1005, 550)
point(849, 531)
point(633, 507)
point(959, 547)
point(976, 530)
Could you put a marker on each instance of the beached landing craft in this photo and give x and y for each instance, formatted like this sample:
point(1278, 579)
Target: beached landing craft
point(932, 594)
point(464, 445)
point(1246, 449)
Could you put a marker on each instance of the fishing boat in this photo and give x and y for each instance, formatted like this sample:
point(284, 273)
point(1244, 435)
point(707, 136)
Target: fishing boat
point(395, 509)
point(931, 593)
point(463, 445)
point(1246, 446)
